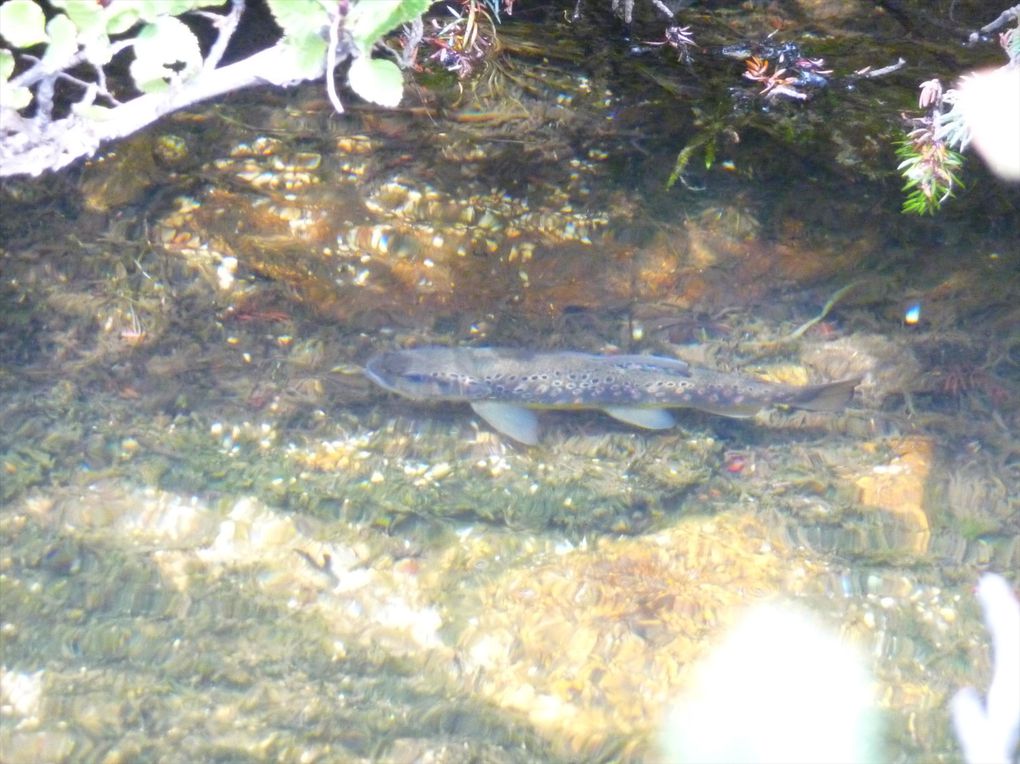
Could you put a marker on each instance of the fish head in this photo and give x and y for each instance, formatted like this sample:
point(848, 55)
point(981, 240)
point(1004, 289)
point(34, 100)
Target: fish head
point(425, 374)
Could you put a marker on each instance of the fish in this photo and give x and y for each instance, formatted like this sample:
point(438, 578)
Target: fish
point(505, 386)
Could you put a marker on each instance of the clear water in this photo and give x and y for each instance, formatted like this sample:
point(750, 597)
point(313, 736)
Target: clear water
point(219, 542)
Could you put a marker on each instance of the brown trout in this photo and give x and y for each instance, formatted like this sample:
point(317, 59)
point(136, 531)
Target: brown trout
point(504, 385)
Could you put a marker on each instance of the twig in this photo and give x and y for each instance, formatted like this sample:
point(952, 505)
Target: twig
point(40, 71)
point(226, 25)
point(101, 84)
point(1004, 18)
point(839, 295)
point(663, 7)
point(413, 39)
point(870, 74)
point(44, 100)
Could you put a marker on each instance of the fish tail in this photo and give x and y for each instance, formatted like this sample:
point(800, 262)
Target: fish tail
point(830, 396)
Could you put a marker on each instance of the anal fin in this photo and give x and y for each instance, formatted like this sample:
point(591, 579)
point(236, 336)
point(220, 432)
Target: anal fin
point(649, 418)
point(733, 411)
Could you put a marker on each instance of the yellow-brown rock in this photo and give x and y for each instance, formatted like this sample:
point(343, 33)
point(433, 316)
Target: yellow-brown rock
point(898, 487)
point(592, 644)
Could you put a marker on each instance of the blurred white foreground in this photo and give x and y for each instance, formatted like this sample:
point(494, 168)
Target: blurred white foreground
point(989, 730)
point(781, 688)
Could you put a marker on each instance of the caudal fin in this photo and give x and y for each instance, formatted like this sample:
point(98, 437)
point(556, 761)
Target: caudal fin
point(831, 396)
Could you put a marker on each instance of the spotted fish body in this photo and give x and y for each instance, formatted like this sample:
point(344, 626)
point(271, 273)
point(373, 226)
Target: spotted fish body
point(504, 385)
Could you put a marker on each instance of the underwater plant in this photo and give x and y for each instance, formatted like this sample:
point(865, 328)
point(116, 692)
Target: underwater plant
point(929, 164)
point(982, 106)
point(461, 43)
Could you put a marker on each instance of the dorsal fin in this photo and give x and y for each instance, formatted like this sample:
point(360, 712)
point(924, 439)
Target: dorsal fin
point(650, 363)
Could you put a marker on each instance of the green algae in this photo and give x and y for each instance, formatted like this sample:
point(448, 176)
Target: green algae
point(159, 659)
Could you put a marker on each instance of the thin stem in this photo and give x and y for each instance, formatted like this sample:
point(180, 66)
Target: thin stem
point(334, 42)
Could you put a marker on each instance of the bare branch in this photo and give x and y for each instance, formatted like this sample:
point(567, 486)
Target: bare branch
point(31, 147)
point(1004, 18)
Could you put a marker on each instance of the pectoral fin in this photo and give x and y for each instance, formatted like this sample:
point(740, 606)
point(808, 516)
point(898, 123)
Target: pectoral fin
point(516, 422)
point(650, 419)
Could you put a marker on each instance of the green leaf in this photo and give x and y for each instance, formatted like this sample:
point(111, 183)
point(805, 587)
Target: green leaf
point(684, 158)
point(154, 10)
point(63, 45)
point(13, 98)
point(87, 17)
point(98, 50)
point(371, 19)
point(6, 64)
point(307, 56)
point(91, 21)
point(376, 80)
point(17, 98)
point(300, 18)
point(710, 148)
point(166, 51)
point(119, 20)
point(23, 23)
